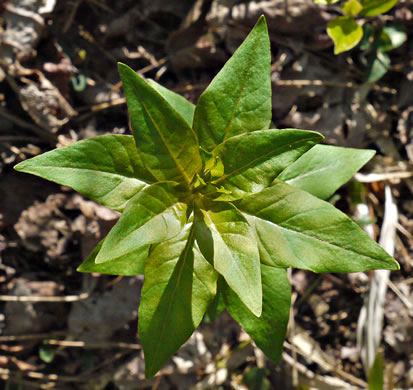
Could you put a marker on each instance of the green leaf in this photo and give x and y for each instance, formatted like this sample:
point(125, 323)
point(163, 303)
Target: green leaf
point(167, 144)
point(255, 379)
point(377, 7)
point(379, 64)
point(179, 285)
point(296, 229)
point(376, 374)
point(178, 102)
point(368, 37)
point(227, 241)
point(391, 37)
point(130, 264)
point(268, 331)
point(153, 215)
point(106, 168)
point(324, 169)
point(217, 306)
point(47, 353)
point(352, 8)
point(253, 160)
point(238, 100)
point(345, 32)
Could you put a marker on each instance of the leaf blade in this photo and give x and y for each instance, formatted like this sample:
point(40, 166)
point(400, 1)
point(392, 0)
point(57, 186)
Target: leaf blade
point(130, 264)
point(377, 7)
point(238, 100)
point(107, 169)
point(155, 214)
point(253, 160)
point(324, 169)
point(232, 250)
point(296, 229)
point(378, 65)
point(178, 102)
point(268, 331)
point(168, 145)
point(179, 285)
point(345, 32)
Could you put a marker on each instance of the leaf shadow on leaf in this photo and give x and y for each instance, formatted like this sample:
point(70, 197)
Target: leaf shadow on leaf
point(179, 288)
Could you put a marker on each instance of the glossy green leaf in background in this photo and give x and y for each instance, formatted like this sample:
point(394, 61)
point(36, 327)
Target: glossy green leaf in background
point(268, 331)
point(179, 286)
point(345, 32)
point(324, 169)
point(155, 214)
point(238, 100)
point(352, 8)
point(296, 229)
point(107, 169)
point(234, 252)
point(130, 264)
point(178, 102)
point(391, 37)
point(378, 65)
point(377, 7)
point(253, 160)
point(166, 142)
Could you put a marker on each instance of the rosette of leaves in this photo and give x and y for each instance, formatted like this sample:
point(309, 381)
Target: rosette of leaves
point(215, 205)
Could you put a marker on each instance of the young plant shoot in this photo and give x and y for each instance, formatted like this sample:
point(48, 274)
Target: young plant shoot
point(215, 204)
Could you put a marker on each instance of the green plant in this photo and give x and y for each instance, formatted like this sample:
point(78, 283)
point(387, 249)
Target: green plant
point(344, 30)
point(347, 32)
point(215, 205)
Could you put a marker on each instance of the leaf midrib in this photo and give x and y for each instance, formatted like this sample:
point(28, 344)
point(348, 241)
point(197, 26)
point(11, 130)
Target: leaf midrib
point(85, 170)
point(244, 83)
point(310, 173)
point(188, 247)
point(232, 257)
point(255, 162)
point(313, 238)
point(178, 165)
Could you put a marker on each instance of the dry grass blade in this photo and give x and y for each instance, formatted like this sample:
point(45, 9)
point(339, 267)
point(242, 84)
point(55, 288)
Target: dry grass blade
point(370, 321)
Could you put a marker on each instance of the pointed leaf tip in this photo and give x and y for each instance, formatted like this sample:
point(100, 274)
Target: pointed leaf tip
point(262, 20)
point(163, 137)
point(238, 100)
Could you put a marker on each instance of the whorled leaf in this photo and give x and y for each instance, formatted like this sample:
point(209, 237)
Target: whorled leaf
point(296, 229)
point(227, 240)
point(217, 306)
point(155, 214)
point(253, 160)
point(238, 100)
point(129, 264)
point(107, 169)
point(179, 285)
point(268, 331)
point(324, 169)
point(178, 102)
point(166, 142)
